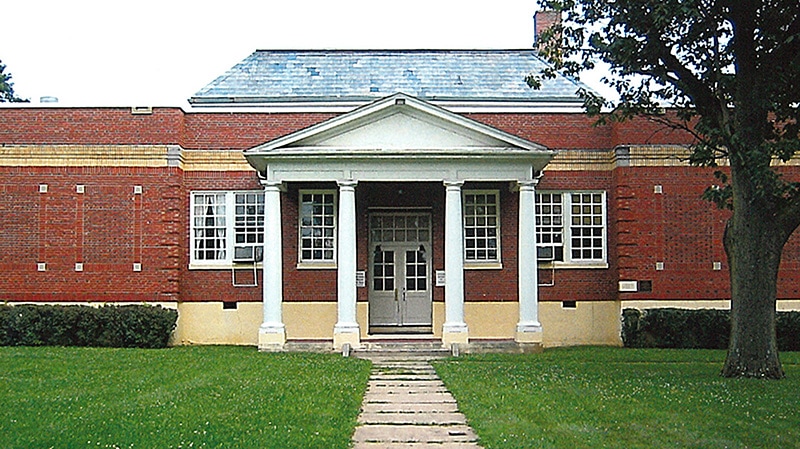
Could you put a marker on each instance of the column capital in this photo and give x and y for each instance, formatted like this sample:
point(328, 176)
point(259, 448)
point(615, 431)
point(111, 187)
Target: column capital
point(527, 185)
point(270, 184)
point(454, 185)
point(530, 184)
point(346, 184)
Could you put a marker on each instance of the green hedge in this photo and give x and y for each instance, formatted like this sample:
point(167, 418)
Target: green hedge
point(696, 329)
point(132, 326)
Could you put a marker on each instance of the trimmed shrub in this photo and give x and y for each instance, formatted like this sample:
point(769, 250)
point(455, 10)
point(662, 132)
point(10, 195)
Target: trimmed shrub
point(696, 329)
point(787, 326)
point(134, 326)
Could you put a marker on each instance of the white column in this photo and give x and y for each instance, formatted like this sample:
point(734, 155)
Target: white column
point(454, 329)
point(346, 329)
point(272, 333)
point(529, 330)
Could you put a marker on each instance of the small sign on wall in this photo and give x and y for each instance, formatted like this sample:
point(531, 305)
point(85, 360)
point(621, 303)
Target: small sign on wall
point(361, 279)
point(440, 278)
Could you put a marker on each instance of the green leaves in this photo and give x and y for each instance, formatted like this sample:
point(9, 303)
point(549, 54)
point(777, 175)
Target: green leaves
point(7, 87)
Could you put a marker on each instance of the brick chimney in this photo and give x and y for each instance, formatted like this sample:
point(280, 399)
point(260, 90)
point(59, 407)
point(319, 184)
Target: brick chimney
point(542, 20)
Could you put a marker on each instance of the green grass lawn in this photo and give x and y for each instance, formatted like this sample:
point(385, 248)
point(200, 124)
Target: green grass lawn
point(623, 398)
point(200, 397)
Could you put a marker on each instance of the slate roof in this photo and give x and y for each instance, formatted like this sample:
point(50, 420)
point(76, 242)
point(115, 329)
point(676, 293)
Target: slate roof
point(269, 76)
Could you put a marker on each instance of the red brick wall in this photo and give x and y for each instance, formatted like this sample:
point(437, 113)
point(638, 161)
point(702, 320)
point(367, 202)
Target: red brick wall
point(90, 126)
point(242, 130)
point(680, 229)
point(648, 131)
point(556, 131)
point(109, 126)
point(107, 228)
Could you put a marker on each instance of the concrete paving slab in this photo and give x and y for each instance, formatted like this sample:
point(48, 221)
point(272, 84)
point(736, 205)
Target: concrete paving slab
point(459, 445)
point(427, 398)
point(414, 434)
point(420, 418)
point(404, 377)
point(407, 390)
point(415, 383)
point(409, 407)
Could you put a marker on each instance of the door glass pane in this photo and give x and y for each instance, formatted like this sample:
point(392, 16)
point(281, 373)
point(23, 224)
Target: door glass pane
point(383, 270)
point(416, 271)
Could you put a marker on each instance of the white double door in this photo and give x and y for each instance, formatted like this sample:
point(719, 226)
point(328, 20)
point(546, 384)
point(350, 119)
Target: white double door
point(400, 270)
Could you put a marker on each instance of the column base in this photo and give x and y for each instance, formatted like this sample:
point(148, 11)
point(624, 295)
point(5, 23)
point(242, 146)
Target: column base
point(346, 333)
point(454, 334)
point(271, 337)
point(529, 333)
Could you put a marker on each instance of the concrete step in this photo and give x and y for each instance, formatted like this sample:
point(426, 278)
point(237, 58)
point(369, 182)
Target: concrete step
point(387, 433)
point(413, 350)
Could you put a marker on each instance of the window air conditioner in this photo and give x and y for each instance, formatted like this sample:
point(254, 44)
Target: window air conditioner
point(544, 253)
point(244, 254)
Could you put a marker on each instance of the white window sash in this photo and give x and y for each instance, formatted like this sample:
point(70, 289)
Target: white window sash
point(472, 250)
point(568, 229)
point(322, 236)
point(226, 234)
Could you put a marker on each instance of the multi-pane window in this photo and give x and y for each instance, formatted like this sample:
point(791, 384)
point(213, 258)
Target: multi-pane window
point(224, 223)
point(209, 230)
point(586, 226)
point(383, 271)
point(571, 226)
point(416, 271)
point(482, 226)
point(400, 228)
point(550, 225)
point(317, 226)
point(249, 222)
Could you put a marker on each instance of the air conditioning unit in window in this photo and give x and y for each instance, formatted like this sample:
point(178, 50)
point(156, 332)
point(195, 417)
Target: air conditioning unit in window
point(544, 253)
point(248, 254)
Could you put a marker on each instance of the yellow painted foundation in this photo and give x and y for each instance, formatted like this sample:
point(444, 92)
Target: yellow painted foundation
point(206, 323)
point(589, 323)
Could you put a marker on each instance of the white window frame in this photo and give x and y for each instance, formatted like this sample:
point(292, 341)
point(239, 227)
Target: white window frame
point(571, 220)
point(327, 227)
point(229, 227)
point(471, 221)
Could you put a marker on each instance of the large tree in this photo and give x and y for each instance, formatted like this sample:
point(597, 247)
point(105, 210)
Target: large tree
point(730, 71)
point(7, 87)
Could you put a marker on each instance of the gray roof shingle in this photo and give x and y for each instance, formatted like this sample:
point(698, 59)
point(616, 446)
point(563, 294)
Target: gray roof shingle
point(364, 75)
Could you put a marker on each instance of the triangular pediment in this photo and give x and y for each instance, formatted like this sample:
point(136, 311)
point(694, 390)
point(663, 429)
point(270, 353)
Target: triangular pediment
point(399, 126)
point(397, 122)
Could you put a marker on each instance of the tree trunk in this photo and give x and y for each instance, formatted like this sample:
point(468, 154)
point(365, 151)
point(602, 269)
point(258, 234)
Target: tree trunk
point(753, 242)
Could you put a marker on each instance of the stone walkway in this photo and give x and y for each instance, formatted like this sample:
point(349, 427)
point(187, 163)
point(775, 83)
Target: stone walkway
point(408, 406)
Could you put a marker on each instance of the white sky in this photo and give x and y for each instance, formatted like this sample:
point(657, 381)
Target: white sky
point(160, 52)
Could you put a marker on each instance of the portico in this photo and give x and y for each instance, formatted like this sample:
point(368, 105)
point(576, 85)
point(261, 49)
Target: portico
point(403, 141)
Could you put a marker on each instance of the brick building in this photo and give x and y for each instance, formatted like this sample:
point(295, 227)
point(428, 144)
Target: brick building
point(345, 196)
